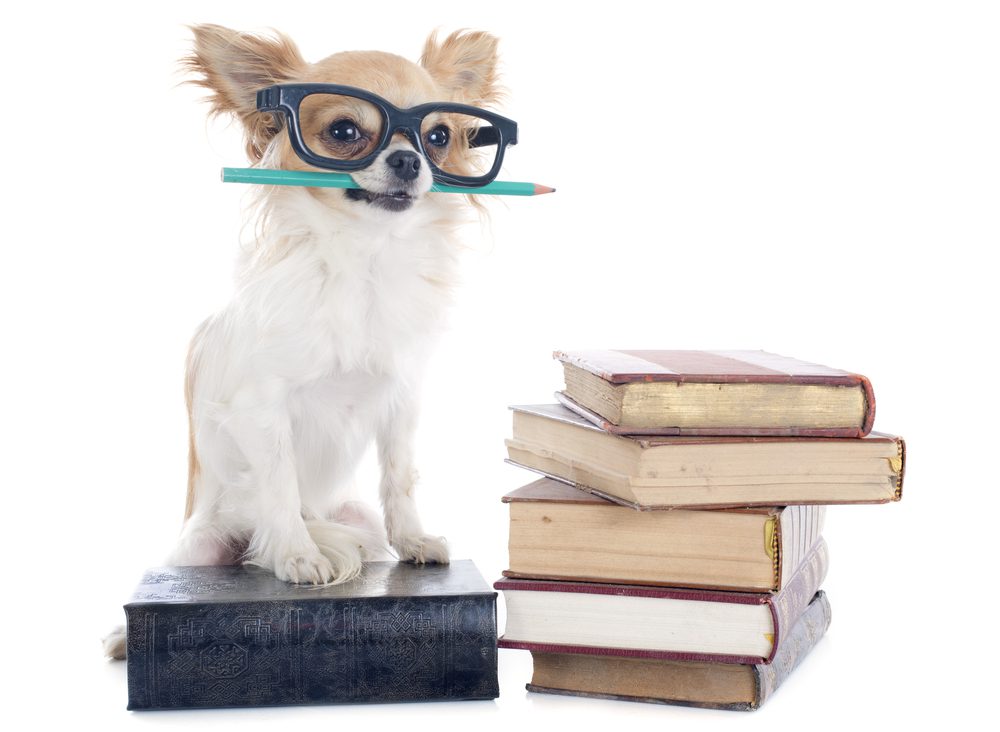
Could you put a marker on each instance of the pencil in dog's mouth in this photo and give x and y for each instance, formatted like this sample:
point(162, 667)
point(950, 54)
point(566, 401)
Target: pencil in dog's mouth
point(390, 201)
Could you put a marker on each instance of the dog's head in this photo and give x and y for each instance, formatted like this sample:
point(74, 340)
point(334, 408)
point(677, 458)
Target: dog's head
point(234, 66)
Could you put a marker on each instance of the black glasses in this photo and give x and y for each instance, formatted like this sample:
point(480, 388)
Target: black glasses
point(344, 128)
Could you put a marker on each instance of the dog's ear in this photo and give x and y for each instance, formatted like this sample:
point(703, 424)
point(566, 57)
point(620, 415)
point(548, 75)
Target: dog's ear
point(234, 66)
point(465, 64)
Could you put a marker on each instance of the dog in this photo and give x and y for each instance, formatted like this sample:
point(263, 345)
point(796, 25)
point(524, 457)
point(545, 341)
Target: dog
point(337, 303)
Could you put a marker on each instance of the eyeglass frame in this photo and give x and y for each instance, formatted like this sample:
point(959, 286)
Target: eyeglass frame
point(286, 98)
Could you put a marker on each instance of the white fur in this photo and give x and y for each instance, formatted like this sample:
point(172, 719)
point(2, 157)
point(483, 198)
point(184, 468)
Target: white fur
point(321, 349)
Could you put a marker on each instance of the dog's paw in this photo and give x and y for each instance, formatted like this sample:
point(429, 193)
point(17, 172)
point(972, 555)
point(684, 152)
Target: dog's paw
point(422, 549)
point(305, 569)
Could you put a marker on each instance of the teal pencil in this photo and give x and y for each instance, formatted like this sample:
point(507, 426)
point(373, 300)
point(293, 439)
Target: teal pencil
point(262, 176)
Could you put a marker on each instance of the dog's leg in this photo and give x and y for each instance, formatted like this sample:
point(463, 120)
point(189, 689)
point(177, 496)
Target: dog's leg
point(201, 543)
point(395, 451)
point(261, 430)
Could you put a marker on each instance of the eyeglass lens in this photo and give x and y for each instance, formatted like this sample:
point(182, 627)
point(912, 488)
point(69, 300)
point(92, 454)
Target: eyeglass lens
point(459, 144)
point(345, 128)
point(340, 127)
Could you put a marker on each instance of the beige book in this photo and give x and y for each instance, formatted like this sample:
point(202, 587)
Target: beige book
point(560, 532)
point(715, 393)
point(682, 471)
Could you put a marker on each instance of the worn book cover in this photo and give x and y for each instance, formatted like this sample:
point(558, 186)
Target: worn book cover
point(687, 683)
point(237, 636)
point(654, 622)
point(664, 392)
point(683, 471)
point(564, 533)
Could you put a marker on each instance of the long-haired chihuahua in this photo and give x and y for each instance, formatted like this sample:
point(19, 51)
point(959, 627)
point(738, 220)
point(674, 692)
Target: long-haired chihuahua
point(337, 299)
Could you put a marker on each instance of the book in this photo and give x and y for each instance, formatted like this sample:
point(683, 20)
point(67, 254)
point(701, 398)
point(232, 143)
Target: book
point(715, 393)
point(657, 622)
point(560, 532)
point(683, 471)
point(741, 687)
point(237, 636)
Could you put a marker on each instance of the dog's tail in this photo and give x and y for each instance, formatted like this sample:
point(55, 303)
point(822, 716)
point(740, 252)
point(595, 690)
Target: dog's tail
point(352, 526)
point(340, 544)
point(114, 643)
point(349, 535)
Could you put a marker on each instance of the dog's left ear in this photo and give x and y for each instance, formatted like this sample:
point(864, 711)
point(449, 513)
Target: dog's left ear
point(465, 64)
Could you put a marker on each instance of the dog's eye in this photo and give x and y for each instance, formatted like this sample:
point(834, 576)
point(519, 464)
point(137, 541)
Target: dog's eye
point(344, 130)
point(438, 137)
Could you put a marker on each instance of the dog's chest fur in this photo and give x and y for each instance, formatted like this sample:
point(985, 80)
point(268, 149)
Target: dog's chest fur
point(382, 298)
point(343, 297)
point(343, 318)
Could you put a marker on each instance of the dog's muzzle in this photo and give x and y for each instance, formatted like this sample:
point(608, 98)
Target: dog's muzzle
point(397, 178)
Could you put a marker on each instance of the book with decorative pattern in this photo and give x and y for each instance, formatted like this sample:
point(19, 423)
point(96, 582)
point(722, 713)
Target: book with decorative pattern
point(237, 636)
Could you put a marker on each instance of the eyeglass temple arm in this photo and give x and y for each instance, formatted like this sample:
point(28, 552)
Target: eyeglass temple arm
point(267, 99)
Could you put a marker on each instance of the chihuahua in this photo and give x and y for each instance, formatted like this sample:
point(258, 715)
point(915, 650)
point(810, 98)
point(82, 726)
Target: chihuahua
point(337, 302)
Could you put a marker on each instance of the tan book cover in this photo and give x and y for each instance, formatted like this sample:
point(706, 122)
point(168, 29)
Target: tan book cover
point(739, 687)
point(564, 533)
point(715, 393)
point(698, 472)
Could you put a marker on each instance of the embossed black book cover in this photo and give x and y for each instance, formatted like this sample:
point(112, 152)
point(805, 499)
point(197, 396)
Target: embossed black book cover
point(237, 636)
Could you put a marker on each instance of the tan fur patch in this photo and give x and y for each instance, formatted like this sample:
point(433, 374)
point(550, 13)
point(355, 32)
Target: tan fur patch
point(233, 66)
point(194, 468)
point(465, 65)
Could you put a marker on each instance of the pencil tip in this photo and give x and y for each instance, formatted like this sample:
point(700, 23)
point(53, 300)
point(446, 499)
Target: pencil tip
point(539, 189)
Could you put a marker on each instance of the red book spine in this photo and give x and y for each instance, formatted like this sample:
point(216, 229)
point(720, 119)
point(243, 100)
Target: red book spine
point(786, 607)
point(797, 644)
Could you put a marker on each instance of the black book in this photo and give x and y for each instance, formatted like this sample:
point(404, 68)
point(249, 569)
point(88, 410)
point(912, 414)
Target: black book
point(237, 636)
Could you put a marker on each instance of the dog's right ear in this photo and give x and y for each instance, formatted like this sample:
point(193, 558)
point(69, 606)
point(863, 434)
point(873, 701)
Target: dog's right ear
point(234, 66)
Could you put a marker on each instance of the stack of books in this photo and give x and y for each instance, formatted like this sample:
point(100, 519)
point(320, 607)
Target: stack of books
point(673, 553)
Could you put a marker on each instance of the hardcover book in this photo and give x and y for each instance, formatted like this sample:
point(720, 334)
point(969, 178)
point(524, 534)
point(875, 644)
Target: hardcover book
point(237, 636)
point(655, 622)
point(684, 471)
point(715, 393)
point(741, 687)
point(563, 533)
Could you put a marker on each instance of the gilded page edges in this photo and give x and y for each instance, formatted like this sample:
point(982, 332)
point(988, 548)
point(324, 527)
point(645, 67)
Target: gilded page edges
point(898, 466)
point(772, 546)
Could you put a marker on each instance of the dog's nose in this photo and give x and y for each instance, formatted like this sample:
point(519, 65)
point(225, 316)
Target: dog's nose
point(405, 164)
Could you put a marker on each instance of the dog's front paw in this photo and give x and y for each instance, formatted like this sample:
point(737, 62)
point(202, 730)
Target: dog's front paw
point(305, 569)
point(423, 549)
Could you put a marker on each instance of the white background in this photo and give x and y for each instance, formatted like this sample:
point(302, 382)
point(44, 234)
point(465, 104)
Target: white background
point(817, 180)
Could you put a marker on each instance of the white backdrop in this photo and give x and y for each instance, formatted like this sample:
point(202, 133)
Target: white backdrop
point(814, 179)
